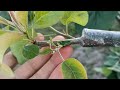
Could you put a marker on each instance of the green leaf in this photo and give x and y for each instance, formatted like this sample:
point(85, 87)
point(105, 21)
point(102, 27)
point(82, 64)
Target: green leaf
point(115, 50)
point(118, 75)
point(6, 39)
point(103, 70)
point(64, 43)
point(79, 17)
point(6, 71)
point(22, 17)
point(111, 60)
point(116, 67)
point(17, 50)
point(113, 75)
point(73, 69)
point(30, 51)
point(46, 51)
point(44, 19)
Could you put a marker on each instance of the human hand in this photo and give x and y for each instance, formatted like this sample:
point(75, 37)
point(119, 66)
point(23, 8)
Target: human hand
point(40, 67)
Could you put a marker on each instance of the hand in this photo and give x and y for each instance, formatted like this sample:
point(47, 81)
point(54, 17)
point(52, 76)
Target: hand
point(40, 67)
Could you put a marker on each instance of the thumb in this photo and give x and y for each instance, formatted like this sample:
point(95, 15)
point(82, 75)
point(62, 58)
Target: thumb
point(39, 37)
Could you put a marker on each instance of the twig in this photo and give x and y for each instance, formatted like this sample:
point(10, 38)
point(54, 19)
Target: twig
point(13, 18)
point(69, 36)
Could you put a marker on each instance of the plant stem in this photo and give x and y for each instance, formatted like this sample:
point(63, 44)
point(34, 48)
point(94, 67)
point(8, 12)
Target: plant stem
point(90, 38)
point(69, 36)
point(19, 27)
point(60, 55)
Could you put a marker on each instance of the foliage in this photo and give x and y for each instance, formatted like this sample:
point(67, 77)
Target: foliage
point(111, 64)
point(72, 68)
point(103, 20)
point(17, 50)
point(45, 19)
point(21, 39)
point(30, 51)
point(19, 30)
point(112, 59)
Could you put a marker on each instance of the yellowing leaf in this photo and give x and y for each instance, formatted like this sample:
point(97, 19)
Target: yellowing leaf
point(22, 17)
point(44, 19)
point(6, 71)
point(6, 39)
point(73, 69)
point(79, 17)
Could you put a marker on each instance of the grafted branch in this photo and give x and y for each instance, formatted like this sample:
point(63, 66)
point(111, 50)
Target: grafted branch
point(90, 38)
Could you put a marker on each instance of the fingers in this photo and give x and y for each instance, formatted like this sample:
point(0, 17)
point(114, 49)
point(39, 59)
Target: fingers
point(58, 38)
point(39, 37)
point(55, 60)
point(57, 73)
point(10, 60)
point(30, 67)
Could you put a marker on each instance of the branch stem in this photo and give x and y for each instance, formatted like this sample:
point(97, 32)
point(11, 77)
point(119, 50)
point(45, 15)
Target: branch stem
point(69, 36)
point(13, 18)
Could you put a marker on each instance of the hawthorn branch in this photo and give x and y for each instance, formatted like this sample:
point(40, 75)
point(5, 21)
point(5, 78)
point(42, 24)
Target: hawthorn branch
point(90, 38)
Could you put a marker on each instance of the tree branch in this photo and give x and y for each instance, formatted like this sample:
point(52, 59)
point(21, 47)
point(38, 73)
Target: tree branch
point(90, 38)
point(16, 23)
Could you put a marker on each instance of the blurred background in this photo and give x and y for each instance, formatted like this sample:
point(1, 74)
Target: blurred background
point(100, 62)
